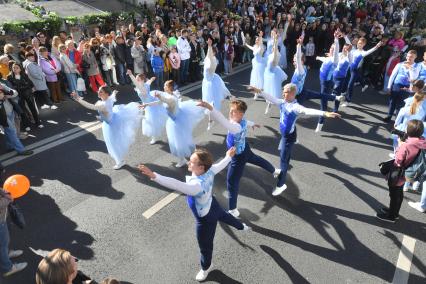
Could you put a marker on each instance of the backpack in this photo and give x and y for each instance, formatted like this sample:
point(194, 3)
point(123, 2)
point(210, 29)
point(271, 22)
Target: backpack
point(417, 168)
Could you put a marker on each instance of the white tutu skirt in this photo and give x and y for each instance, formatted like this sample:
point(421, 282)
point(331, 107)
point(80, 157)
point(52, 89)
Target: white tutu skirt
point(180, 126)
point(273, 80)
point(154, 122)
point(119, 133)
point(214, 90)
point(257, 72)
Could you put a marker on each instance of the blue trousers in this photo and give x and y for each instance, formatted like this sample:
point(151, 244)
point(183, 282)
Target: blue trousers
point(236, 169)
point(72, 82)
point(339, 87)
point(326, 89)
point(121, 72)
point(206, 229)
point(356, 75)
point(5, 263)
point(184, 66)
point(396, 100)
point(287, 142)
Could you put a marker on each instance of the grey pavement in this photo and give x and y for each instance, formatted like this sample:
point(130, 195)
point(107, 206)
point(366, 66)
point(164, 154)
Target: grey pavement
point(322, 229)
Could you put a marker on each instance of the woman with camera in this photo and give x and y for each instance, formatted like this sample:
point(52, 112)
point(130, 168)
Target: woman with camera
point(405, 155)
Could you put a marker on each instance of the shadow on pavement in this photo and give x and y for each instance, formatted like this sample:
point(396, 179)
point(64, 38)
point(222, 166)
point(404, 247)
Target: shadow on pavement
point(220, 277)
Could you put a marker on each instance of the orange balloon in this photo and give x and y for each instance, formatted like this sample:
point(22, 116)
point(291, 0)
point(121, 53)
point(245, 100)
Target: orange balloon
point(17, 185)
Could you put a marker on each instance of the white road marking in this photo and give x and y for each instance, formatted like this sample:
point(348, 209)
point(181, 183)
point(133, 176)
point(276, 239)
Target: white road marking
point(403, 265)
point(160, 205)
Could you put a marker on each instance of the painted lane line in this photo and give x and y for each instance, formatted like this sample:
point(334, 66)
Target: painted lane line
point(160, 205)
point(403, 265)
point(53, 144)
point(51, 139)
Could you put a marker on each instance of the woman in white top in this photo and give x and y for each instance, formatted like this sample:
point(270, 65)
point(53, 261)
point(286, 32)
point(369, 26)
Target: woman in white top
point(199, 190)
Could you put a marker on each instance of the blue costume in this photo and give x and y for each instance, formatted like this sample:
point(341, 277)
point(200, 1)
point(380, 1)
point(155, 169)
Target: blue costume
point(258, 69)
point(119, 125)
point(182, 118)
point(273, 78)
point(236, 137)
point(213, 88)
point(204, 206)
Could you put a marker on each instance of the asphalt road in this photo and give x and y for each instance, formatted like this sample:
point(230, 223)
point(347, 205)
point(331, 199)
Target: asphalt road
point(323, 229)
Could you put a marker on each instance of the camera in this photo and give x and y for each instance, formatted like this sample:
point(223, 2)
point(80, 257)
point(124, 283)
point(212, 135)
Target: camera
point(401, 134)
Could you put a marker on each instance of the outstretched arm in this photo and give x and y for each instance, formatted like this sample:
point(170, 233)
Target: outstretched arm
point(371, 50)
point(299, 65)
point(98, 107)
point(216, 168)
point(216, 115)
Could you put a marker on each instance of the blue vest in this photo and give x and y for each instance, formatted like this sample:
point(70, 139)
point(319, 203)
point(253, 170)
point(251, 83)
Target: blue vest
point(422, 73)
point(403, 75)
point(299, 80)
point(238, 140)
point(200, 203)
point(341, 69)
point(326, 70)
point(287, 120)
point(357, 58)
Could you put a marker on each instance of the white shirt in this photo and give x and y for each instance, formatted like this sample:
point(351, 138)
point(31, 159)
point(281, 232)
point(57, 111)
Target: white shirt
point(184, 49)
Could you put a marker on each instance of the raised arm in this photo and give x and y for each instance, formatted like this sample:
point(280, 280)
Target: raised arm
point(371, 50)
point(218, 167)
point(336, 51)
point(233, 128)
point(275, 52)
point(98, 107)
point(299, 65)
point(177, 185)
point(271, 98)
point(210, 61)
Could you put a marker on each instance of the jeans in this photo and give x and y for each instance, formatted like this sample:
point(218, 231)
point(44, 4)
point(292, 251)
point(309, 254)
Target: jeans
point(287, 143)
point(356, 75)
point(159, 79)
point(206, 229)
point(5, 263)
point(396, 100)
point(423, 197)
point(236, 169)
point(396, 195)
point(184, 66)
point(121, 72)
point(326, 89)
point(12, 140)
point(227, 64)
point(72, 82)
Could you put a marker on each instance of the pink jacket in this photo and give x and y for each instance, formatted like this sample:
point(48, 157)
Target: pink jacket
point(48, 68)
point(407, 152)
point(397, 43)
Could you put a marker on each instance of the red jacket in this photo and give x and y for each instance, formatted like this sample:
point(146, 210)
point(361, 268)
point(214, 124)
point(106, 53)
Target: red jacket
point(78, 58)
point(407, 153)
point(392, 65)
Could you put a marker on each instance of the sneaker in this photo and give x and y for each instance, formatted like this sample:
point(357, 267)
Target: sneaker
point(279, 189)
point(234, 212)
point(119, 165)
point(407, 188)
point(25, 153)
point(45, 106)
point(340, 98)
point(202, 274)
point(346, 104)
point(277, 173)
point(364, 88)
point(387, 119)
point(153, 141)
point(23, 136)
point(181, 163)
point(15, 253)
point(53, 107)
point(392, 155)
point(385, 217)
point(256, 97)
point(27, 128)
point(246, 228)
point(416, 186)
point(16, 268)
point(417, 206)
point(386, 211)
point(319, 127)
point(40, 126)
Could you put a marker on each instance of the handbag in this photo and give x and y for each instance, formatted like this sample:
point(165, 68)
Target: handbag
point(391, 172)
point(81, 85)
point(16, 215)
